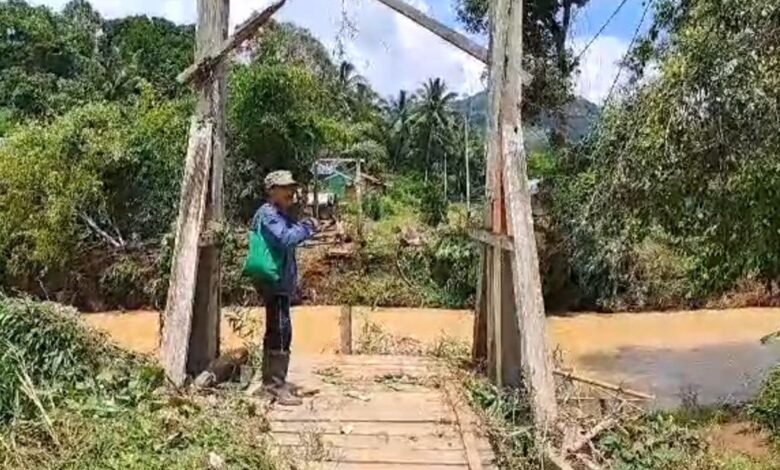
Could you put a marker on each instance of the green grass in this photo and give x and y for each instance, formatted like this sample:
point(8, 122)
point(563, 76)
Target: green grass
point(70, 400)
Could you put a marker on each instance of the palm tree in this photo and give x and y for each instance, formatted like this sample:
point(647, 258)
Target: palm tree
point(433, 119)
point(349, 79)
point(398, 112)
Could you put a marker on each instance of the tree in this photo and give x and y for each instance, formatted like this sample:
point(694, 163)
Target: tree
point(149, 49)
point(688, 156)
point(398, 112)
point(432, 121)
point(546, 28)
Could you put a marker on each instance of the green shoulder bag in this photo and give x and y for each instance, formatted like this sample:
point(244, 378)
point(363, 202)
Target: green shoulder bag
point(263, 263)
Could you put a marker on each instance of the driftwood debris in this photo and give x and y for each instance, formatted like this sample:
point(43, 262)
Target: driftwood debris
point(223, 368)
point(605, 385)
point(604, 425)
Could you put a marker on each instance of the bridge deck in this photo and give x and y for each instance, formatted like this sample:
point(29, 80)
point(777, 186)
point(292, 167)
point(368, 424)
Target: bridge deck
point(380, 412)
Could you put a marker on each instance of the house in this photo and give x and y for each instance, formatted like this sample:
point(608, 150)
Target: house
point(334, 178)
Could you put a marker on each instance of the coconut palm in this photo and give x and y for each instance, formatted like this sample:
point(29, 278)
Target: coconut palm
point(432, 120)
point(399, 112)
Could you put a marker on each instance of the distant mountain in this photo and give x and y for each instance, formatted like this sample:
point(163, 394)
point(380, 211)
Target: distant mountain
point(581, 115)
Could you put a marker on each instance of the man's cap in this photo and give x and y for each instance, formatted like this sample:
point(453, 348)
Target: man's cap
point(279, 178)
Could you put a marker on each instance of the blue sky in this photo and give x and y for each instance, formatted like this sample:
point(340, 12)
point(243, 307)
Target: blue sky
point(394, 53)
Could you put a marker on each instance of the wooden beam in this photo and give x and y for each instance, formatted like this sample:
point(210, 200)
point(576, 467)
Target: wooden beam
point(345, 328)
point(181, 293)
point(245, 31)
point(443, 31)
point(496, 240)
point(536, 363)
point(212, 30)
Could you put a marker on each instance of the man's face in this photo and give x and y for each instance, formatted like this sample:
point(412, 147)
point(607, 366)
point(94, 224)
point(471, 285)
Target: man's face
point(282, 196)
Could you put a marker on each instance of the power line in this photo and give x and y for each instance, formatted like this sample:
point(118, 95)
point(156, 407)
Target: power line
point(601, 30)
point(628, 51)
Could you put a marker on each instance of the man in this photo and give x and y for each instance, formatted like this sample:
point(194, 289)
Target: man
point(273, 221)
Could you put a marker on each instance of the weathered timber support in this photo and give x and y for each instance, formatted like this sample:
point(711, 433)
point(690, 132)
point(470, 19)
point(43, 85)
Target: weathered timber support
point(205, 64)
point(181, 293)
point(212, 31)
point(445, 32)
point(507, 23)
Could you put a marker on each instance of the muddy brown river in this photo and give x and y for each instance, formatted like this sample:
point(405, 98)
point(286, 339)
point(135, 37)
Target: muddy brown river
point(710, 355)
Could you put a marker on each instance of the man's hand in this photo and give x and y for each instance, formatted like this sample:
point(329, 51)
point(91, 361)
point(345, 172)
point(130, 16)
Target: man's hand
point(311, 223)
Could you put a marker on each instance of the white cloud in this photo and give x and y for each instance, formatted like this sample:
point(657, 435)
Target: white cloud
point(599, 67)
point(391, 51)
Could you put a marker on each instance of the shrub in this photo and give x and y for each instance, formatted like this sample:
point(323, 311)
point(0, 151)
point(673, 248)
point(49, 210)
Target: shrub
point(766, 406)
point(433, 205)
point(45, 343)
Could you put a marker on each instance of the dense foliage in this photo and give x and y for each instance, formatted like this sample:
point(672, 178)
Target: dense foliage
point(674, 198)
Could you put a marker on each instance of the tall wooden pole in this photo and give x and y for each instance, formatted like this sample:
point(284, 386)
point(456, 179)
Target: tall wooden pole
point(468, 171)
point(212, 32)
point(530, 314)
point(359, 197)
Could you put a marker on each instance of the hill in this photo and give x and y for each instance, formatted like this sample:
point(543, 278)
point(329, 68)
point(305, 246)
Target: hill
point(581, 114)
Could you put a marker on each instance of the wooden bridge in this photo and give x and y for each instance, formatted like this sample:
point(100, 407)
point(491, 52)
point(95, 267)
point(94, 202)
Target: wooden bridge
point(380, 412)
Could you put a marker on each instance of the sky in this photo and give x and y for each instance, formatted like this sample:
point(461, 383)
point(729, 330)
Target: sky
point(394, 53)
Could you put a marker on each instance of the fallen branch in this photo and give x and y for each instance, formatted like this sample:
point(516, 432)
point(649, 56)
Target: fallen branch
point(592, 434)
point(99, 231)
point(602, 384)
point(244, 32)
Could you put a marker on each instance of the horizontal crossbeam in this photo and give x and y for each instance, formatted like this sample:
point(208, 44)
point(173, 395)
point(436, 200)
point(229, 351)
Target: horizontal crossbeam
point(244, 32)
point(496, 240)
point(443, 31)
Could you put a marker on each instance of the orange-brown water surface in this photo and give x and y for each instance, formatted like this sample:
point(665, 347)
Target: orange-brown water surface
point(710, 355)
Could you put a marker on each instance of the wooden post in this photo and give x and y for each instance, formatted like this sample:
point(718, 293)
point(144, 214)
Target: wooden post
point(495, 214)
point(316, 207)
point(212, 32)
point(468, 174)
point(507, 23)
point(345, 327)
point(359, 196)
point(177, 320)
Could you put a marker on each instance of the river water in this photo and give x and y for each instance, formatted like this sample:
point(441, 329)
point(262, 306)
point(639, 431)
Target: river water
point(710, 355)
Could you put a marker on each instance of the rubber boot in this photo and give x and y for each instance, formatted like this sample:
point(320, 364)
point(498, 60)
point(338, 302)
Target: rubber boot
point(294, 388)
point(278, 363)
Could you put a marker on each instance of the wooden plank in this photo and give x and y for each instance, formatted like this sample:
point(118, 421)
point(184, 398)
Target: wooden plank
point(212, 30)
point(345, 329)
point(401, 455)
point(465, 427)
point(508, 26)
point(444, 32)
point(370, 428)
point(181, 292)
point(202, 68)
point(374, 441)
point(386, 466)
